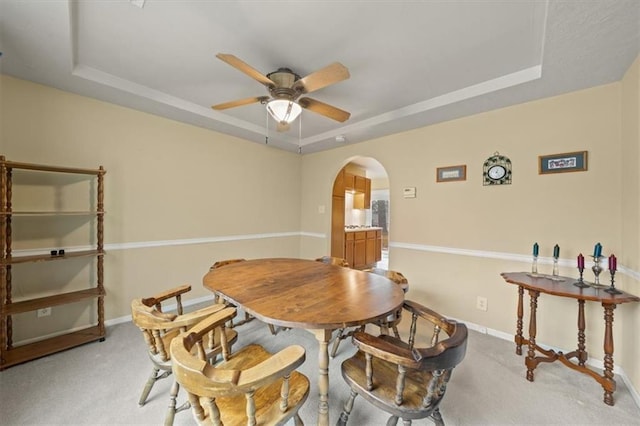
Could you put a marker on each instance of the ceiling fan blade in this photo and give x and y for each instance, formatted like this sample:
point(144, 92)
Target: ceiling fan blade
point(324, 77)
point(324, 109)
point(245, 68)
point(240, 102)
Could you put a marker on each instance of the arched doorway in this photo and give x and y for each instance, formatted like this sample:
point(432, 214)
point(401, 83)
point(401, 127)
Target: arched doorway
point(360, 214)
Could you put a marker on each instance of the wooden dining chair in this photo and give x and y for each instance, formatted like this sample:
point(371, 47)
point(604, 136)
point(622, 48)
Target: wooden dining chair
point(247, 317)
point(160, 328)
point(338, 261)
point(250, 387)
point(390, 322)
point(407, 378)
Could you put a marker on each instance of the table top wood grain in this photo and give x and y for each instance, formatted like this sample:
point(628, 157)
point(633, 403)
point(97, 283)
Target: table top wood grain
point(304, 293)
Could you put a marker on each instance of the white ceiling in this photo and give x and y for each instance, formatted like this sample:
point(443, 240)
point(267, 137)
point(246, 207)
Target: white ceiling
point(412, 63)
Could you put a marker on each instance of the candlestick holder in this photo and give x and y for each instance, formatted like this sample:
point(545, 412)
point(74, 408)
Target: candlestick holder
point(580, 283)
point(596, 268)
point(612, 288)
point(534, 267)
point(554, 271)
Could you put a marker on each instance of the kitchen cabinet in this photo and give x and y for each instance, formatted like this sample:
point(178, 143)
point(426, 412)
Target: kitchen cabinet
point(13, 175)
point(363, 248)
point(360, 184)
point(349, 182)
point(349, 245)
point(362, 200)
point(359, 250)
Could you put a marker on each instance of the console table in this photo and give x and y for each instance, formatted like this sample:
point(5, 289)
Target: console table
point(565, 288)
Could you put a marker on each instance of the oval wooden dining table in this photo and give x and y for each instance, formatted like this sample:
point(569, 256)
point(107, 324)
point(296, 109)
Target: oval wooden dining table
point(300, 293)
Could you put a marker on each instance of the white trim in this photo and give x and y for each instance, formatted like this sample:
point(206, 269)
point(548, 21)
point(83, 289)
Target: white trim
point(508, 80)
point(181, 242)
point(501, 255)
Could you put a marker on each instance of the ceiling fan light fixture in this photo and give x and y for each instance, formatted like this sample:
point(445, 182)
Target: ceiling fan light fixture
point(283, 110)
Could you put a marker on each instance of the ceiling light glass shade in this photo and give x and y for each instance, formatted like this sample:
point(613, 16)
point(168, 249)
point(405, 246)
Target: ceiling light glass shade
point(283, 111)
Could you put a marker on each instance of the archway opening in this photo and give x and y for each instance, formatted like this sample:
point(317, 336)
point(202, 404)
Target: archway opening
point(360, 220)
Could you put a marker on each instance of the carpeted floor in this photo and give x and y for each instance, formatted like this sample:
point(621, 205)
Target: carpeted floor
point(100, 383)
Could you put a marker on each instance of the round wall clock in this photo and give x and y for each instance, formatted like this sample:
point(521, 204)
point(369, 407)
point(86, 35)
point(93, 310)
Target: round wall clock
point(497, 170)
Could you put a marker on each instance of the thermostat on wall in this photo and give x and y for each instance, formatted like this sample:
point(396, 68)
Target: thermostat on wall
point(409, 192)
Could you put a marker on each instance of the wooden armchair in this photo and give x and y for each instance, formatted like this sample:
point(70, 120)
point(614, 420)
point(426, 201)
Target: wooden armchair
point(404, 378)
point(389, 322)
point(251, 387)
point(160, 328)
point(338, 261)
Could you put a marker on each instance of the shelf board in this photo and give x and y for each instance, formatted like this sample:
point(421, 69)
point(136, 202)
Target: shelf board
point(25, 353)
point(51, 213)
point(47, 301)
point(12, 260)
point(44, 168)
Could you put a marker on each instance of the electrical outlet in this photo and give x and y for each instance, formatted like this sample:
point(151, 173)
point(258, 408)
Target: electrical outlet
point(481, 303)
point(44, 312)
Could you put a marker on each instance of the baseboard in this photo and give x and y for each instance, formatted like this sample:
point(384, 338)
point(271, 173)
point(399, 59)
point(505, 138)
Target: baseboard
point(595, 363)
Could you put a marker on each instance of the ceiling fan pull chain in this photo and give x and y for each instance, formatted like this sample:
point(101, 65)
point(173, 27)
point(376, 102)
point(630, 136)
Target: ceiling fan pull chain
point(300, 134)
point(266, 137)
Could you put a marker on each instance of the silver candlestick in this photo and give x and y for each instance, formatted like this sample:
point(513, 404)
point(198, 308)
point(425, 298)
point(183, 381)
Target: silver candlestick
point(596, 268)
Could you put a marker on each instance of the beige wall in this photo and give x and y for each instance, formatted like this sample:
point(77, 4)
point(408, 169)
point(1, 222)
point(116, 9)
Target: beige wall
point(455, 238)
point(167, 184)
point(630, 219)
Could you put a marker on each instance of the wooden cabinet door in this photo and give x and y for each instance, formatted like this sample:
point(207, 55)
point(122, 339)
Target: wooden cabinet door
point(349, 182)
point(359, 184)
point(359, 249)
point(349, 248)
point(367, 194)
point(378, 246)
point(370, 251)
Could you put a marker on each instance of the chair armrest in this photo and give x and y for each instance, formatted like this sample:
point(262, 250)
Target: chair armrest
point(197, 318)
point(168, 294)
point(430, 315)
point(278, 365)
point(385, 349)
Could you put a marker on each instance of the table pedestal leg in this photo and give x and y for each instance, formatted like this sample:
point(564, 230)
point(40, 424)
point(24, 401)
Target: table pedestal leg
point(519, 339)
point(530, 361)
point(323, 337)
point(609, 384)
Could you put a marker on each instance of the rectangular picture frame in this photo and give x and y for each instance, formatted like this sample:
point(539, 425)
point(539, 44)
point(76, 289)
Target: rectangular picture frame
point(451, 173)
point(562, 163)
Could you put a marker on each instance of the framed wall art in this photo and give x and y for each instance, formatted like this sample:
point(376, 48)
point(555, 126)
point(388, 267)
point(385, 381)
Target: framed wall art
point(562, 163)
point(451, 173)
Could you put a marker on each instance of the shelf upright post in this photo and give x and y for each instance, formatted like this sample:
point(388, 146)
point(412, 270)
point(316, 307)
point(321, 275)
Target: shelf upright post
point(100, 247)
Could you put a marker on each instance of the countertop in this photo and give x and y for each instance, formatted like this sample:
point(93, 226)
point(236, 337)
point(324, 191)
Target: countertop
point(369, 228)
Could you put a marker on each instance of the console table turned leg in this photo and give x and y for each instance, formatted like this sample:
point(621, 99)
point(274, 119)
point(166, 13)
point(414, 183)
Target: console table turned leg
point(518, 338)
point(608, 382)
point(582, 354)
point(530, 361)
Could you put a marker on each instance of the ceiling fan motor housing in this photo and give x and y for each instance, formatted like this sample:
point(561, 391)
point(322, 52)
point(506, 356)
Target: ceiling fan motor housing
point(284, 79)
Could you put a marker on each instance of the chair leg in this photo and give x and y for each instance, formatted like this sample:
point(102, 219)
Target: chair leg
point(172, 410)
point(437, 417)
point(272, 329)
point(336, 342)
point(348, 406)
point(297, 421)
point(393, 421)
point(153, 378)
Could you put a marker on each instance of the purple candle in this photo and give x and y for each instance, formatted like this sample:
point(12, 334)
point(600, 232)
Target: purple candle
point(613, 263)
point(580, 262)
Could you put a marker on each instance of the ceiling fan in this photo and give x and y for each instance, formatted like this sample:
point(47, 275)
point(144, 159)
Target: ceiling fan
point(285, 88)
